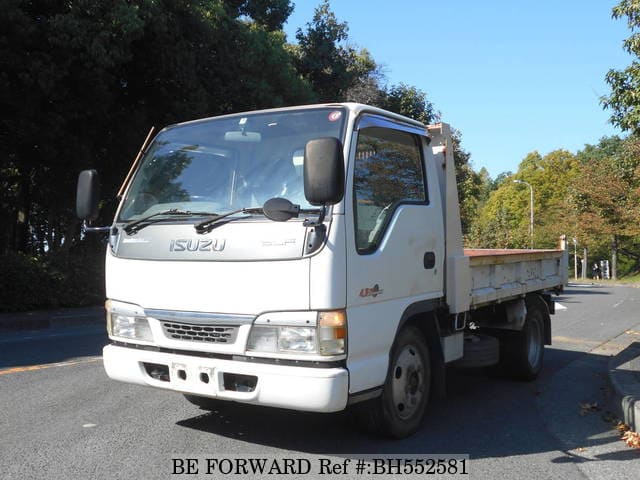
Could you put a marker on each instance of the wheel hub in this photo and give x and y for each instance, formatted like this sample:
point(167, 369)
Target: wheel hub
point(408, 382)
point(535, 342)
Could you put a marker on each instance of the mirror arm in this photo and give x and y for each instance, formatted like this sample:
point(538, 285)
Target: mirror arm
point(87, 229)
point(319, 221)
point(318, 233)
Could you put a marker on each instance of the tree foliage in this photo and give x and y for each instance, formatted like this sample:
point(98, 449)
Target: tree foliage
point(82, 81)
point(326, 60)
point(606, 197)
point(409, 101)
point(271, 14)
point(503, 220)
point(593, 196)
point(624, 99)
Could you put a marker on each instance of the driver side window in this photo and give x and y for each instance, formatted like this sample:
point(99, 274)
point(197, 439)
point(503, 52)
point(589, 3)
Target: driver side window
point(388, 172)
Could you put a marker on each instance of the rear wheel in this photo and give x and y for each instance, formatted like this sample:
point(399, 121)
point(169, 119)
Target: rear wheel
point(522, 353)
point(398, 412)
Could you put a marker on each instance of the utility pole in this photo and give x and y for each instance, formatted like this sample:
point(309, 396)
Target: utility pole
point(614, 258)
point(575, 257)
point(530, 209)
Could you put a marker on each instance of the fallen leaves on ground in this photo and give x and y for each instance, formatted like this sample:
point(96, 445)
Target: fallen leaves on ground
point(628, 436)
point(632, 439)
point(587, 408)
point(622, 427)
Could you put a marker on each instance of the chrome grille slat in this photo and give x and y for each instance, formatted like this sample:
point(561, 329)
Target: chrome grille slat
point(199, 318)
point(223, 334)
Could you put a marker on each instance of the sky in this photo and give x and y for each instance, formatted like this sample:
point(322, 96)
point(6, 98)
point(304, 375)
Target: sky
point(512, 76)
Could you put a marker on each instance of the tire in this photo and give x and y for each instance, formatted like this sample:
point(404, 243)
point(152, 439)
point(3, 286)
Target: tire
point(522, 353)
point(398, 412)
point(204, 403)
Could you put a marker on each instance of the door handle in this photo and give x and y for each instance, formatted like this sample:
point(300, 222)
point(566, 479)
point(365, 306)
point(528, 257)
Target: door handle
point(429, 260)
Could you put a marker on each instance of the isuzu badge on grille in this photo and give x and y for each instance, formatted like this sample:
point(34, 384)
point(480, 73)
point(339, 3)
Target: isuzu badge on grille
point(197, 245)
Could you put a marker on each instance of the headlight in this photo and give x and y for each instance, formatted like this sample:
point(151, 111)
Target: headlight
point(282, 339)
point(263, 339)
point(127, 325)
point(136, 328)
point(327, 338)
point(301, 339)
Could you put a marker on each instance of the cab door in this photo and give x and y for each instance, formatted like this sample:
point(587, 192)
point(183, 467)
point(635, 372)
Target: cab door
point(395, 248)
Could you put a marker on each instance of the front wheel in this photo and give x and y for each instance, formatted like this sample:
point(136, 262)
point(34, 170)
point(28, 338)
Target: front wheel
point(398, 412)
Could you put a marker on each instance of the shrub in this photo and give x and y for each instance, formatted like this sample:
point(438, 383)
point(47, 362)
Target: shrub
point(73, 279)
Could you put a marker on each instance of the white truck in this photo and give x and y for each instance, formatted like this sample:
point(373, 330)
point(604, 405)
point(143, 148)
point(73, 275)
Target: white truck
point(310, 258)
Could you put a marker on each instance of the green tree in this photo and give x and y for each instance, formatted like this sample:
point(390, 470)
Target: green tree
point(60, 66)
point(270, 14)
point(367, 86)
point(503, 220)
point(470, 186)
point(325, 59)
point(409, 101)
point(499, 180)
point(81, 83)
point(624, 99)
point(606, 196)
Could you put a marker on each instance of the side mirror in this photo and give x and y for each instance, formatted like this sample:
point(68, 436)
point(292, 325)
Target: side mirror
point(87, 195)
point(323, 171)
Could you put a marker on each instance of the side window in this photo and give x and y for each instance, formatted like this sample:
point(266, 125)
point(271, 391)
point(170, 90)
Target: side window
point(388, 172)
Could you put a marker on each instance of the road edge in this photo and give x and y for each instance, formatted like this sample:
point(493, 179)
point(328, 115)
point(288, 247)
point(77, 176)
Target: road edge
point(624, 377)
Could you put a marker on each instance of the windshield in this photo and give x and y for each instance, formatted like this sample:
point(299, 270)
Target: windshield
point(224, 164)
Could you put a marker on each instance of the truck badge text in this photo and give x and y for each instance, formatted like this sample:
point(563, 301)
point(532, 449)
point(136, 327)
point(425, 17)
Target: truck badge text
point(197, 245)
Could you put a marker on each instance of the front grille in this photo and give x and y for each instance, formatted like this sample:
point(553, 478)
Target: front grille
point(200, 333)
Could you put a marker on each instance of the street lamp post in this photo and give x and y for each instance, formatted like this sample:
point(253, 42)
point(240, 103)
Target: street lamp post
point(531, 209)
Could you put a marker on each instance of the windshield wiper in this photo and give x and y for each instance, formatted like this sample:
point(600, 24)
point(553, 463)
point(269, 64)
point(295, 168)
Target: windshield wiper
point(208, 225)
point(277, 209)
point(137, 225)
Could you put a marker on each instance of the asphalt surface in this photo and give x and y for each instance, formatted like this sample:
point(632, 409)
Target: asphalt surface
point(61, 417)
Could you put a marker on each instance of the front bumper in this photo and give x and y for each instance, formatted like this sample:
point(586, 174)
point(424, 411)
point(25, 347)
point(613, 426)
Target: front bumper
point(298, 388)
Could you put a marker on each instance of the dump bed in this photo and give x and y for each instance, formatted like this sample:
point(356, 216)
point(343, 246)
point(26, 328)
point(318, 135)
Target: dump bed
point(498, 275)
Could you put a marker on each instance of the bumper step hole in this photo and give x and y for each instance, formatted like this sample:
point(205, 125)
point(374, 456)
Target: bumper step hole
point(239, 383)
point(157, 371)
point(204, 378)
point(182, 375)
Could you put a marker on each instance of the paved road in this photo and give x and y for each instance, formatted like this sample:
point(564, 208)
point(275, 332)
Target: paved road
point(61, 417)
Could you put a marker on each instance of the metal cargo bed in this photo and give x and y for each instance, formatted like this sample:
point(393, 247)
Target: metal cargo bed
point(498, 275)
